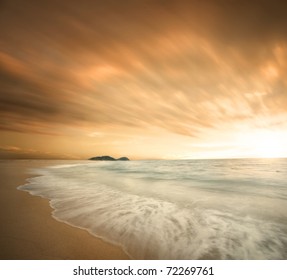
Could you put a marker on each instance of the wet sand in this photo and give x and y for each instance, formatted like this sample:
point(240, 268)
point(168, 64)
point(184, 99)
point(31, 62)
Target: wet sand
point(28, 231)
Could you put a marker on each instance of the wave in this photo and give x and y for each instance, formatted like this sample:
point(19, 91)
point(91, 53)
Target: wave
point(151, 212)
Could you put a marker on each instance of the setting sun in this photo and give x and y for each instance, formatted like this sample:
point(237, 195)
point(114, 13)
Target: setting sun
point(266, 144)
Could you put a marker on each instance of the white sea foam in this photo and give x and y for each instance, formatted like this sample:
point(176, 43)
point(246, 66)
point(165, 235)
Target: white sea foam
point(217, 209)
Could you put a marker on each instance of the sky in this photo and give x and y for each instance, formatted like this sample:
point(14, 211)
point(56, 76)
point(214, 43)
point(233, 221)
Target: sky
point(147, 79)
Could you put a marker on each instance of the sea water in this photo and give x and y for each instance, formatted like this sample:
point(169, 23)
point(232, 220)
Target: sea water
point(174, 209)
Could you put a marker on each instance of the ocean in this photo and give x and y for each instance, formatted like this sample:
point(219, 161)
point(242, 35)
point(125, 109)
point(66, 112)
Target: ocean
point(174, 209)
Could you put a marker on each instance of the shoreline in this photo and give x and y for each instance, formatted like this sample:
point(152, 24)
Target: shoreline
point(30, 232)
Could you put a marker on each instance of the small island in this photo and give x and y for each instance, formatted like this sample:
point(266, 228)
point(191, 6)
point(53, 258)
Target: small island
point(109, 158)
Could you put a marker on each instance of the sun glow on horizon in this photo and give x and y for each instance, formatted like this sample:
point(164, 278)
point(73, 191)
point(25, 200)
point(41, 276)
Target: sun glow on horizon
point(266, 144)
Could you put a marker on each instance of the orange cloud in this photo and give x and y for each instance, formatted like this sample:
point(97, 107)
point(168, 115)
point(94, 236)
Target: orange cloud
point(183, 67)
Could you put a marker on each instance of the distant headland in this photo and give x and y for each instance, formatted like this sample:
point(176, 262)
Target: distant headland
point(108, 158)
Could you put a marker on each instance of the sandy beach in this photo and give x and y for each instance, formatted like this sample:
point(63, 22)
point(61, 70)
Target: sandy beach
point(28, 231)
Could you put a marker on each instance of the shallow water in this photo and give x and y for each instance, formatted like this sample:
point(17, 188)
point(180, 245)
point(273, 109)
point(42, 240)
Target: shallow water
point(181, 209)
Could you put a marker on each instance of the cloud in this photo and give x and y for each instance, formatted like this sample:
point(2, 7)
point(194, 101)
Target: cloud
point(182, 66)
point(10, 148)
point(12, 152)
